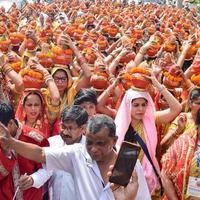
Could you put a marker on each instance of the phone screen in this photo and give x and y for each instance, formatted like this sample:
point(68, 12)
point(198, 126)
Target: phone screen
point(125, 163)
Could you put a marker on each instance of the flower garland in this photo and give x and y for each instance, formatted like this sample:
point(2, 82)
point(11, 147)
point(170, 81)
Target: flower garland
point(173, 78)
point(196, 79)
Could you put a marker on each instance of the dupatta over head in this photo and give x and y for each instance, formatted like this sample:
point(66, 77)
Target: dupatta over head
point(41, 124)
point(123, 120)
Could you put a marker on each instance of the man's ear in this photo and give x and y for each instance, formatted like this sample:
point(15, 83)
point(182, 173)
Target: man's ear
point(83, 128)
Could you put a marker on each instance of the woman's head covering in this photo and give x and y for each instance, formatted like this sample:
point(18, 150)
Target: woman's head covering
point(124, 112)
point(42, 122)
point(69, 77)
point(123, 120)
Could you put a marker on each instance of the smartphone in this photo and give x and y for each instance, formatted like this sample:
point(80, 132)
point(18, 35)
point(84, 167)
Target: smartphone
point(125, 163)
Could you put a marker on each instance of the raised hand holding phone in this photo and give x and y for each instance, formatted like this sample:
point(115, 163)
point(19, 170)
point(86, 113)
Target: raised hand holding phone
point(125, 163)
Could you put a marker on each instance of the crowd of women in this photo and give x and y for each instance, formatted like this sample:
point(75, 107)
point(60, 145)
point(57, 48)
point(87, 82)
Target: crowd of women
point(138, 64)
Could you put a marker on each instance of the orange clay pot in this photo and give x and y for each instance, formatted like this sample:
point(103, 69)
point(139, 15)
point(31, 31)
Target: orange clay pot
point(30, 44)
point(195, 78)
point(154, 50)
point(61, 56)
point(170, 83)
point(16, 66)
point(16, 38)
point(196, 67)
point(138, 80)
point(137, 33)
point(78, 34)
point(99, 82)
point(45, 60)
point(112, 31)
point(4, 45)
point(191, 52)
point(71, 30)
point(90, 57)
point(126, 80)
point(102, 43)
point(93, 36)
point(127, 58)
point(84, 44)
point(12, 28)
point(32, 79)
point(135, 77)
point(169, 47)
point(171, 78)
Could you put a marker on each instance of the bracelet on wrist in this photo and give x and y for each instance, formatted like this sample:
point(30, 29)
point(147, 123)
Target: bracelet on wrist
point(6, 69)
point(142, 51)
point(48, 78)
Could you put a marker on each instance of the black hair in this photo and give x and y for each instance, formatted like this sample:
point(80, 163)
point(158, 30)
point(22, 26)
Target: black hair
point(6, 112)
point(197, 121)
point(99, 121)
point(87, 26)
point(114, 39)
point(74, 113)
point(34, 93)
point(62, 71)
point(194, 94)
point(85, 95)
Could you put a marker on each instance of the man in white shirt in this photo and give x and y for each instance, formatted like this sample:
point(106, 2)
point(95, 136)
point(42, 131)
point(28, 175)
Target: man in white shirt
point(88, 164)
point(61, 182)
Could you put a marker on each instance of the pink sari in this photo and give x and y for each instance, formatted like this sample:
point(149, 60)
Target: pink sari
point(123, 120)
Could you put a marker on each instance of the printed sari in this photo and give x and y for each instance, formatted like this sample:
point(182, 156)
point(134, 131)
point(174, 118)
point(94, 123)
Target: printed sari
point(176, 163)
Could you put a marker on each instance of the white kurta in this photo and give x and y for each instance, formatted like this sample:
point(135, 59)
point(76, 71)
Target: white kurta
point(61, 183)
point(88, 182)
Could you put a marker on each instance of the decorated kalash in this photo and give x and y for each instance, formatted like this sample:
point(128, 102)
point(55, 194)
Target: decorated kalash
point(195, 77)
point(136, 78)
point(30, 46)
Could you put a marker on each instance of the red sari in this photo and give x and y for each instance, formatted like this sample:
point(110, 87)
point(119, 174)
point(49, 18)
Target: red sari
point(12, 169)
point(42, 122)
point(176, 162)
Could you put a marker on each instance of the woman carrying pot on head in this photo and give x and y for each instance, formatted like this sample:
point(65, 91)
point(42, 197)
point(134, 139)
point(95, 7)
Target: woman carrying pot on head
point(137, 114)
point(11, 83)
point(45, 108)
point(62, 76)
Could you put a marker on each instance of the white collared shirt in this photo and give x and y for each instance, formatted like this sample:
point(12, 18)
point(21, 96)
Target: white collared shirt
point(87, 178)
point(57, 141)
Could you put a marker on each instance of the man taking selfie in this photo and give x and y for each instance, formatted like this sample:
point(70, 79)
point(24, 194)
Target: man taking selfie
point(89, 164)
